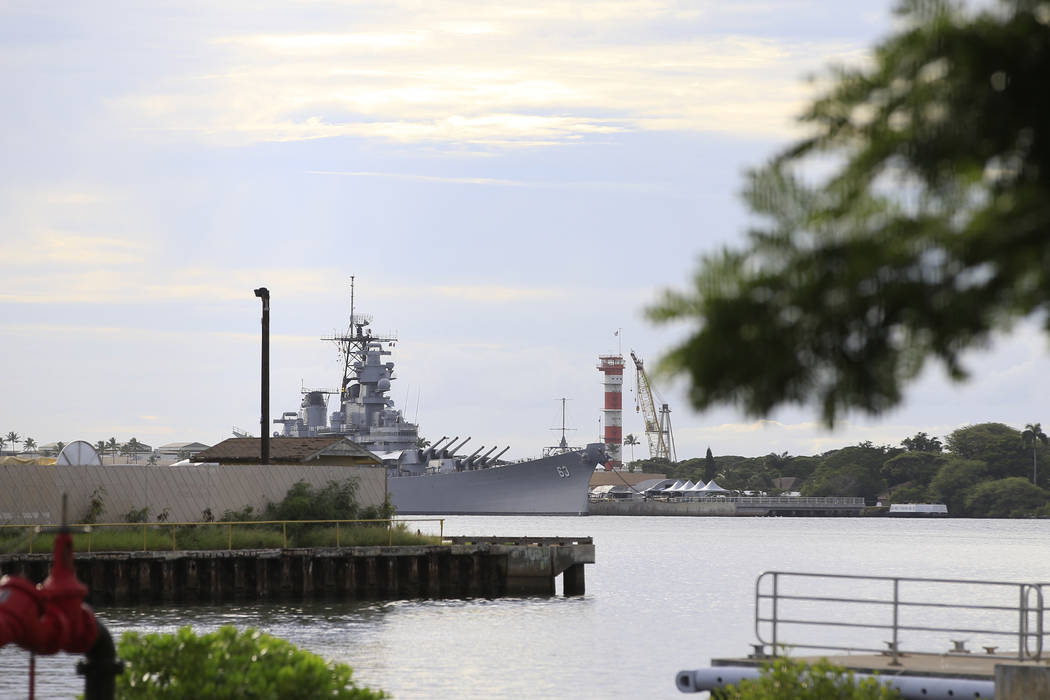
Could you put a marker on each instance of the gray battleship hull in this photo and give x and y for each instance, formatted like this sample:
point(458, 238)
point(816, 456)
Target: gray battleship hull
point(555, 485)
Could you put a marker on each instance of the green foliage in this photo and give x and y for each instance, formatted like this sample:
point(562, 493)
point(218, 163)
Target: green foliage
point(136, 515)
point(653, 466)
point(931, 231)
point(96, 506)
point(908, 493)
point(384, 511)
point(242, 515)
point(231, 664)
point(787, 679)
point(922, 443)
point(954, 481)
point(336, 501)
point(1031, 436)
point(1013, 497)
point(998, 446)
point(919, 467)
point(710, 466)
point(851, 471)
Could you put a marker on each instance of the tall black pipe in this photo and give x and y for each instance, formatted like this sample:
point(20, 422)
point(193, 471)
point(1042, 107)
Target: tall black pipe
point(100, 667)
point(264, 423)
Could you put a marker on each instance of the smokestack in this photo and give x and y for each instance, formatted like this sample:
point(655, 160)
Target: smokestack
point(264, 422)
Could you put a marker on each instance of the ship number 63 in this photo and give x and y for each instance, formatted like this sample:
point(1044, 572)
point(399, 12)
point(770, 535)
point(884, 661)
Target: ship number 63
point(563, 472)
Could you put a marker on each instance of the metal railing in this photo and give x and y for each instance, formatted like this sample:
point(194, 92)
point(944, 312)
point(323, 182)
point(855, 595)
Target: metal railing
point(931, 616)
point(88, 530)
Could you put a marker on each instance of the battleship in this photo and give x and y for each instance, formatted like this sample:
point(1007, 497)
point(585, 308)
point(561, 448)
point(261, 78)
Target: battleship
point(434, 479)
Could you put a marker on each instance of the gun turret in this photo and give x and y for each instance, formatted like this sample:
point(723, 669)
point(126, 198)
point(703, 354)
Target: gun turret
point(468, 461)
point(443, 452)
point(480, 461)
point(452, 451)
point(426, 454)
point(486, 460)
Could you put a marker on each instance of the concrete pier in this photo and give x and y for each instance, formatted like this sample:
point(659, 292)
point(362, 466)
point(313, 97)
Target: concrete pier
point(463, 568)
point(734, 506)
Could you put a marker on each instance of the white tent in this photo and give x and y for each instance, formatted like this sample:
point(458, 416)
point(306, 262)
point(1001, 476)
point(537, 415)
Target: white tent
point(713, 488)
point(660, 486)
point(698, 486)
point(685, 487)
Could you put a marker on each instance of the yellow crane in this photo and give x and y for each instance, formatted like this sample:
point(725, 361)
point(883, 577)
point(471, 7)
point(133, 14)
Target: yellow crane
point(657, 425)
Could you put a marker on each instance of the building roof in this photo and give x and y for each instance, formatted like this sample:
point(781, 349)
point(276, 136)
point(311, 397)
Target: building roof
point(286, 449)
point(172, 446)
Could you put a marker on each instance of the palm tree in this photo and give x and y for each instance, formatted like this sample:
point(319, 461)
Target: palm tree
point(631, 440)
point(12, 438)
point(29, 444)
point(1033, 434)
point(114, 448)
point(133, 447)
point(3, 441)
point(101, 447)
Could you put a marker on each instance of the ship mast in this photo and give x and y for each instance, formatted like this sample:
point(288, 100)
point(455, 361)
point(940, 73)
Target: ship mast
point(562, 446)
point(354, 344)
point(346, 350)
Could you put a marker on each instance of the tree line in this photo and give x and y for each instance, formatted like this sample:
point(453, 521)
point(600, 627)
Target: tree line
point(988, 470)
point(132, 448)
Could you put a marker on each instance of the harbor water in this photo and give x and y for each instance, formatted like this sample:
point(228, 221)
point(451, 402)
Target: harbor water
point(666, 594)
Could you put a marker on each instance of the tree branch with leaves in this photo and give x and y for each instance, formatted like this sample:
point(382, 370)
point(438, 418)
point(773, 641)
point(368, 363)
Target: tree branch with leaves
point(931, 232)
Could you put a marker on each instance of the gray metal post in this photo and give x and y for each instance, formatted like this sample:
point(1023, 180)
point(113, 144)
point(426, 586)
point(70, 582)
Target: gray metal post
point(776, 578)
point(895, 661)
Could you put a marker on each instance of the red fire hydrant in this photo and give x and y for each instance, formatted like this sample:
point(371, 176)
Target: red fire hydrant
point(53, 617)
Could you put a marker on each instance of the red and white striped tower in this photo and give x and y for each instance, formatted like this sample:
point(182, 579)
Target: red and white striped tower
point(611, 366)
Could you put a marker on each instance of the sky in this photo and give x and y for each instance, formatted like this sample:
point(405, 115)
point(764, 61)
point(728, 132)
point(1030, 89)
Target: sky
point(510, 184)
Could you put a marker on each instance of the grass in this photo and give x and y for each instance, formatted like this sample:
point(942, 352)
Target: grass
point(158, 537)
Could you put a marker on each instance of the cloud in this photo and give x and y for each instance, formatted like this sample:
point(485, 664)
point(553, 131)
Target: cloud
point(60, 247)
point(497, 295)
point(493, 182)
point(412, 75)
point(140, 284)
point(131, 332)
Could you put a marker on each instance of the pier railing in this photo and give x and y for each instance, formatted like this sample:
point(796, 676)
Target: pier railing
point(898, 616)
point(810, 501)
point(84, 537)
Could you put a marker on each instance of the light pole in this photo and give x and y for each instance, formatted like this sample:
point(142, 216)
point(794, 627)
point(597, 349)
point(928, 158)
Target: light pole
point(264, 294)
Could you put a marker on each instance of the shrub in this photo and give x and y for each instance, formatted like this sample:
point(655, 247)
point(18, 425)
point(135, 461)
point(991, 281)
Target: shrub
point(336, 501)
point(96, 506)
point(229, 663)
point(786, 679)
point(140, 515)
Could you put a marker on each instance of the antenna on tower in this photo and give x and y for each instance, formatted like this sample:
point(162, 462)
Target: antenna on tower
point(564, 443)
point(351, 305)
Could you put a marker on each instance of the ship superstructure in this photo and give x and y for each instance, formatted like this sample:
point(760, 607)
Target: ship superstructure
point(366, 414)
